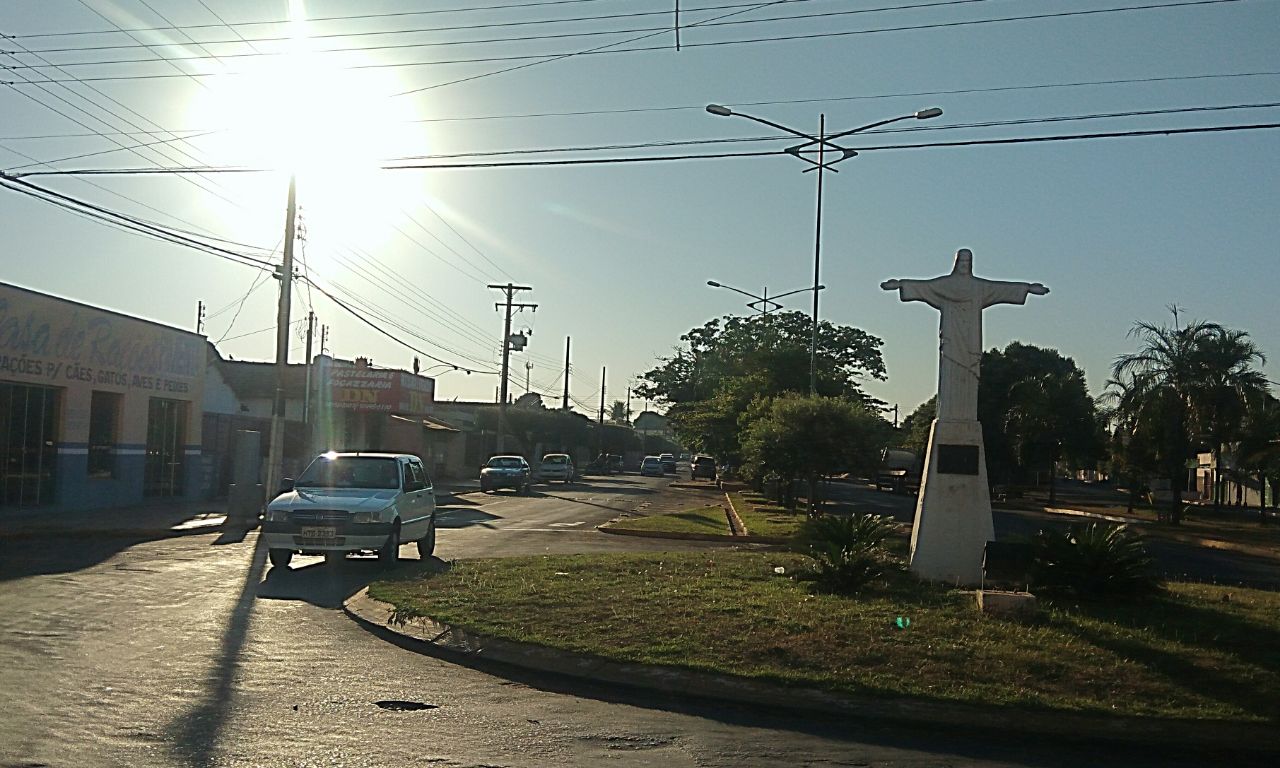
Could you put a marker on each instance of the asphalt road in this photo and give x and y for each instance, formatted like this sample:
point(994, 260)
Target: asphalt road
point(192, 652)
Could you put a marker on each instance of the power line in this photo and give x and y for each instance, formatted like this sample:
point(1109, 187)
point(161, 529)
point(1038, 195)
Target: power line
point(389, 335)
point(699, 107)
point(127, 222)
point(675, 158)
point(663, 29)
point(453, 28)
point(319, 19)
point(612, 48)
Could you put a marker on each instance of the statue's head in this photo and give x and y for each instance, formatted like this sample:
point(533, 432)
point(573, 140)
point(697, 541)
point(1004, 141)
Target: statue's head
point(964, 262)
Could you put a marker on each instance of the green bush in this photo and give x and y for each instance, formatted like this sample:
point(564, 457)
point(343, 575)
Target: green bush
point(1094, 562)
point(848, 551)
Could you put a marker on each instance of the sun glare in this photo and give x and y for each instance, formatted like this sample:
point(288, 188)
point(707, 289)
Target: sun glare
point(332, 126)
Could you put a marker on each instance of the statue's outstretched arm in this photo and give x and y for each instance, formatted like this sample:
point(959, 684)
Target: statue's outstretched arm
point(891, 285)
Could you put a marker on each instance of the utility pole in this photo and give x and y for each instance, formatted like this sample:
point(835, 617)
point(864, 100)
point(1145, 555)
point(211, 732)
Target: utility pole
point(564, 404)
point(600, 419)
point(628, 403)
point(895, 415)
point(324, 339)
point(306, 397)
point(275, 455)
point(528, 371)
point(510, 290)
point(200, 317)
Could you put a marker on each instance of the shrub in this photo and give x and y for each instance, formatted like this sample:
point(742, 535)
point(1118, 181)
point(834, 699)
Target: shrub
point(1093, 562)
point(848, 551)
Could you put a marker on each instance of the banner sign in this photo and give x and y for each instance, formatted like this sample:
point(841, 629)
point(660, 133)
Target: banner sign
point(376, 390)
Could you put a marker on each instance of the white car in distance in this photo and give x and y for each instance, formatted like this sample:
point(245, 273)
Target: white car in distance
point(353, 502)
point(557, 466)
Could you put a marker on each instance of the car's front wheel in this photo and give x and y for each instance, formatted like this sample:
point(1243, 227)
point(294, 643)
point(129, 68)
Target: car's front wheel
point(389, 555)
point(280, 558)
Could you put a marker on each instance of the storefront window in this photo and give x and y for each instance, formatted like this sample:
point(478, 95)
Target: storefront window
point(27, 453)
point(166, 438)
point(104, 429)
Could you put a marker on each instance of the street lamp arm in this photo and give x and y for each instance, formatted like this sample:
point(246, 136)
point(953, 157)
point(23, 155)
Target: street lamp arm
point(714, 284)
point(923, 114)
point(798, 290)
point(725, 112)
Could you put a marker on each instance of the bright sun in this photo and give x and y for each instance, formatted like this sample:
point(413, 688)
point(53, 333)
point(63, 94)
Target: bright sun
point(330, 125)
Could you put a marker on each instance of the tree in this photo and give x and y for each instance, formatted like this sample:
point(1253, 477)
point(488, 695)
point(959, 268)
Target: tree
point(774, 350)
point(1035, 411)
point(914, 433)
point(1179, 387)
point(734, 361)
point(1258, 451)
point(798, 436)
point(1227, 386)
point(618, 413)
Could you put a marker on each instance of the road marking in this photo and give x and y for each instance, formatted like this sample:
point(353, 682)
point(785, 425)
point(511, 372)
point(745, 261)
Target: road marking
point(568, 525)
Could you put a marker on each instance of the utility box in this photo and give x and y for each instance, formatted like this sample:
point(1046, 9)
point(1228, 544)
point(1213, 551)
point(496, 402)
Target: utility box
point(245, 496)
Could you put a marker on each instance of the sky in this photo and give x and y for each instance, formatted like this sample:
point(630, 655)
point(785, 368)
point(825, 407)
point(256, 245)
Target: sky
point(618, 254)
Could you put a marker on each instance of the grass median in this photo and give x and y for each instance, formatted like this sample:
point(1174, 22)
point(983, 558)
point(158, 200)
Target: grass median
point(1195, 651)
point(710, 519)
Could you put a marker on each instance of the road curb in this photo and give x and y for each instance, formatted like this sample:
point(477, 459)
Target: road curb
point(691, 536)
point(428, 636)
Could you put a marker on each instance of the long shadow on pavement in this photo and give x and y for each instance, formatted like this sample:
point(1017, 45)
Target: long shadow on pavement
point(197, 731)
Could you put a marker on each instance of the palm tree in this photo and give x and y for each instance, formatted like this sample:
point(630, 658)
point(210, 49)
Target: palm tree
point(1160, 380)
point(1229, 385)
point(1186, 383)
point(1259, 449)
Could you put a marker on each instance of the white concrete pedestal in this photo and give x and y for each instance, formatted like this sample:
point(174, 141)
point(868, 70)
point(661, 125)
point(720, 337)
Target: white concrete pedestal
point(953, 514)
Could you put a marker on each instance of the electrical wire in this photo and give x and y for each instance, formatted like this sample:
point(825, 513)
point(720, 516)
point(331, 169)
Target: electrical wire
point(531, 60)
point(454, 43)
point(382, 331)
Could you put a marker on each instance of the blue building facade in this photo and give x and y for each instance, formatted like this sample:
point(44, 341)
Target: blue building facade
point(97, 409)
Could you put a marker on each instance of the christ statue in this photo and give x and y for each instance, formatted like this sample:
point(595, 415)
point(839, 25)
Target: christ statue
point(961, 297)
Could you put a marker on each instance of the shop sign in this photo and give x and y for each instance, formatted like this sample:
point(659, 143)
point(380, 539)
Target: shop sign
point(55, 342)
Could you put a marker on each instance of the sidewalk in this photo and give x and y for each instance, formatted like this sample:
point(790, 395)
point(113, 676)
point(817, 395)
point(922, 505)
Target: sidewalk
point(155, 520)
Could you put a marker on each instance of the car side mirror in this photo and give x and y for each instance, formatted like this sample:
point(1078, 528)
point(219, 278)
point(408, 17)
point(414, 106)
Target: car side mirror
point(286, 485)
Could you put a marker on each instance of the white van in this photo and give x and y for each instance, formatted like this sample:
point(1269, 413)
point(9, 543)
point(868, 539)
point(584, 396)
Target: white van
point(353, 502)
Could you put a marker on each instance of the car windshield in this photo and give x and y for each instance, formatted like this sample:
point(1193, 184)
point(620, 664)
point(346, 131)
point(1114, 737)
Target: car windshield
point(504, 462)
point(351, 472)
point(555, 458)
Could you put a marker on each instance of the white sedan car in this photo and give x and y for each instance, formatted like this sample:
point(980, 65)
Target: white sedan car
point(353, 502)
point(557, 466)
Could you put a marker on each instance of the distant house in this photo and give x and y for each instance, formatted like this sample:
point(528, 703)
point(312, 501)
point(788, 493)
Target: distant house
point(652, 423)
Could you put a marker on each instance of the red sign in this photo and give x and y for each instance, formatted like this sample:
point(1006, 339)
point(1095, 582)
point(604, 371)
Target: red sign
point(375, 390)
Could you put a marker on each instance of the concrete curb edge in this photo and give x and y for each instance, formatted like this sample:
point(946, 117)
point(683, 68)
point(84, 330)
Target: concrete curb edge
point(429, 636)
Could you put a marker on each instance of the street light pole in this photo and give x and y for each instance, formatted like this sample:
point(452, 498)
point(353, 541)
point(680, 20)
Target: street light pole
point(823, 142)
point(817, 256)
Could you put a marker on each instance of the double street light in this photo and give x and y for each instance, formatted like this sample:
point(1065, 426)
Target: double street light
point(822, 142)
point(762, 304)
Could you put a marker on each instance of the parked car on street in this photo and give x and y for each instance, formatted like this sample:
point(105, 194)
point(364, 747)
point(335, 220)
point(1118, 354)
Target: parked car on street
point(650, 466)
point(668, 462)
point(615, 463)
point(557, 466)
point(353, 502)
point(703, 467)
point(508, 471)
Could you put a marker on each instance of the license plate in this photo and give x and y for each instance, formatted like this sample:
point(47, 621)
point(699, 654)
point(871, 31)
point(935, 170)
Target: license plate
point(318, 532)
